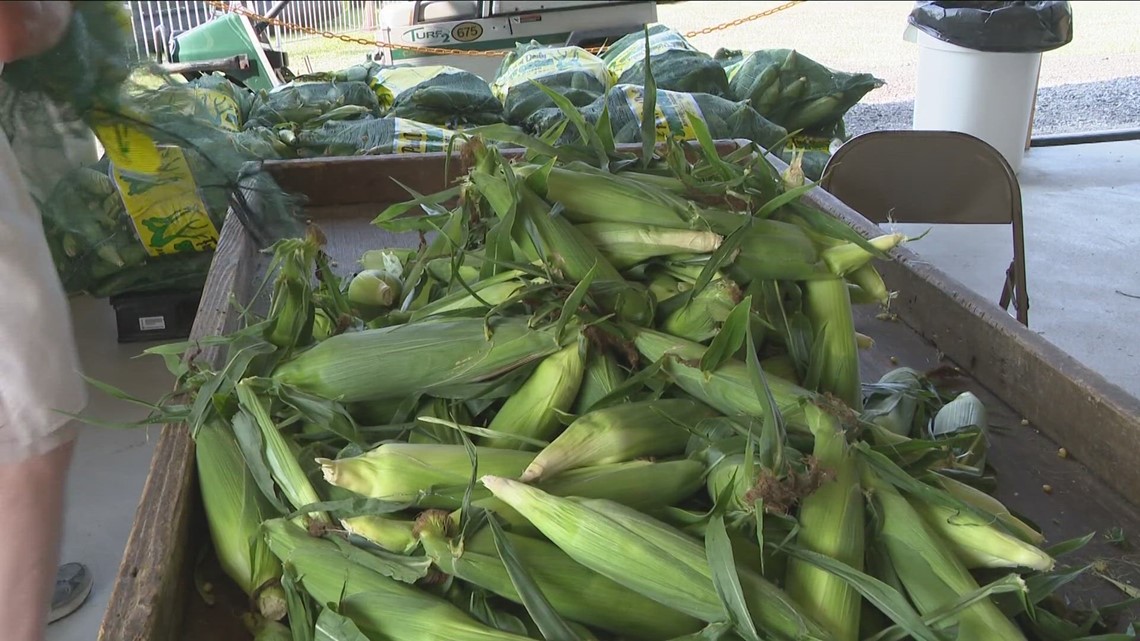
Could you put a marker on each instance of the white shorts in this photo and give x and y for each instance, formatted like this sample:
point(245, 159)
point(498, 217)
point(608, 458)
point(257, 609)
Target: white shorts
point(40, 381)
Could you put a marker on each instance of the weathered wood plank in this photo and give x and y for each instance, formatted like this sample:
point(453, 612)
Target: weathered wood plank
point(155, 574)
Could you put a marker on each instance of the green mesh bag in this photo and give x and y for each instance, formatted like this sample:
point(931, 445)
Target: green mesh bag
point(674, 115)
point(795, 91)
point(571, 72)
point(375, 136)
point(146, 216)
point(677, 66)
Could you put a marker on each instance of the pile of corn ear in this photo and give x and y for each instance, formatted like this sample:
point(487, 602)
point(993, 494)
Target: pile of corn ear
point(588, 394)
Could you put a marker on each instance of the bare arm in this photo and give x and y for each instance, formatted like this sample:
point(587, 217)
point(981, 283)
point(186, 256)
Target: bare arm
point(31, 28)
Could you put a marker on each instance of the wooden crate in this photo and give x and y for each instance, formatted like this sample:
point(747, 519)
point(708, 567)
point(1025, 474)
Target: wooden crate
point(1015, 372)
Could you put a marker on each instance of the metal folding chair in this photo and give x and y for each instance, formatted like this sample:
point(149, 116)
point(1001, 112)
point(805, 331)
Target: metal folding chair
point(934, 177)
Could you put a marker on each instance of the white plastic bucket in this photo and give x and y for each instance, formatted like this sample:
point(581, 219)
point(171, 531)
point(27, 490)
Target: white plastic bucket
point(985, 94)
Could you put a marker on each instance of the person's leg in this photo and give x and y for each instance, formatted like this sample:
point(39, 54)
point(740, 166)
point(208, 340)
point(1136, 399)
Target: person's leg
point(31, 500)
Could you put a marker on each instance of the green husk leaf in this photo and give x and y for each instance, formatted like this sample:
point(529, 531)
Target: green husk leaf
point(718, 550)
point(334, 627)
point(253, 451)
point(648, 110)
point(298, 604)
point(887, 599)
point(393, 211)
point(730, 338)
point(549, 622)
point(1009, 583)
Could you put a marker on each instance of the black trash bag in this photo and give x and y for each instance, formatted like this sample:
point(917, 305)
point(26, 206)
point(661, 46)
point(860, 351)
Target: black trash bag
point(374, 136)
point(677, 66)
point(794, 91)
point(572, 72)
point(725, 119)
point(1010, 27)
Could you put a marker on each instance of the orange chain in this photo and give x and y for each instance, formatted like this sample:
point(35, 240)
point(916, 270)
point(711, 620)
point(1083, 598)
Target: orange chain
point(277, 22)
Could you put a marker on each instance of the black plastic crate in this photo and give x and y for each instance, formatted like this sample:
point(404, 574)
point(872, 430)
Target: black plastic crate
point(158, 316)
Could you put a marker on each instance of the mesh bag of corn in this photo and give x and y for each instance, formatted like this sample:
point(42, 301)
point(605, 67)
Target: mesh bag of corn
point(677, 66)
point(436, 95)
point(572, 72)
point(793, 90)
point(147, 215)
point(372, 136)
point(674, 114)
point(303, 104)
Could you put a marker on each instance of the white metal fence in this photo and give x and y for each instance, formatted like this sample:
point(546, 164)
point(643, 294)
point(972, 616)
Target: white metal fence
point(154, 22)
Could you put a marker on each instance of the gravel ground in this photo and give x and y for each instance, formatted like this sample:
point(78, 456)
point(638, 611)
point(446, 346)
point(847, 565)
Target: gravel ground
point(1091, 84)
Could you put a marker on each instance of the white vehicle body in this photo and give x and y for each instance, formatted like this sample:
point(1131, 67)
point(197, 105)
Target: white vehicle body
point(483, 26)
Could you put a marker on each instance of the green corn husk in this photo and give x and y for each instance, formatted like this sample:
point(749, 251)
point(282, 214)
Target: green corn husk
point(441, 409)
point(663, 287)
point(597, 197)
point(828, 307)
point(395, 362)
point(729, 388)
point(641, 485)
point(619, 433)
point(601, 376)
point(491, 291)
point(369, 598)
point(831, 523)
point(428, 475)
point(235, 509)
point(701, 318)
point(650, 558)
point(626, 245)
point(280, 453)
point(846, 258)
point(394, 535)
point(292, 308)
point(777, 250)
point(965, 411)
point(870, 282)
point(990, 505)
point(781, 365)
point(977, 543)
point(373, 289)
point(390, 261)
point(533, 411)
point(933, 576)
point(730, 471)
point(564, 246)
point(895, 410)
point(574, 591)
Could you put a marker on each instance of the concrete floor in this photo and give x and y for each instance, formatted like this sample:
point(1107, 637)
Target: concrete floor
point(1079, 235)
point(110, 464)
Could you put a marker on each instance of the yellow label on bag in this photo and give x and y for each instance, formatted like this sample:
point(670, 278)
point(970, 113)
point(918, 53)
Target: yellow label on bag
point(672, 115)
point(128, 146)
point(413, 137)
point(168, 214)
point(539, 63)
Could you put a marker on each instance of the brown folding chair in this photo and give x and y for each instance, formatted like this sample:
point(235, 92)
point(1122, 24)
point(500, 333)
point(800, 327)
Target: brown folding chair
point(935, 177)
